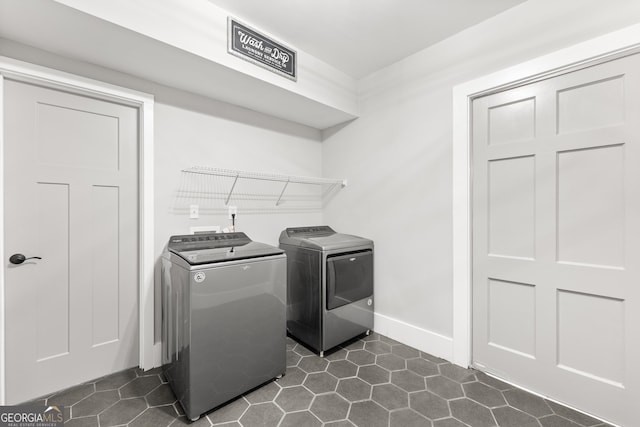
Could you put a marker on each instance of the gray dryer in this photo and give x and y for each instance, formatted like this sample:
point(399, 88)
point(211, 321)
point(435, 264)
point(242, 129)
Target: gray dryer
point(329, 285)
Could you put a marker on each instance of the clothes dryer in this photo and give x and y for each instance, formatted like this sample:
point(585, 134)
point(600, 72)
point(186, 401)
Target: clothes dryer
point(329, 285)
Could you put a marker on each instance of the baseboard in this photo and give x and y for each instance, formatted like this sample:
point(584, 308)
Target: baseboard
point(422, 339)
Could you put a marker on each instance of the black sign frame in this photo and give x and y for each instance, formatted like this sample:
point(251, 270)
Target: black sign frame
point(253, 46)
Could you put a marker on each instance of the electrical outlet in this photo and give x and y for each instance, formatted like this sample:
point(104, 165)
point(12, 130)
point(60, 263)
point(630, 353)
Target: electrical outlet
point(194, 211)
point(232, 210)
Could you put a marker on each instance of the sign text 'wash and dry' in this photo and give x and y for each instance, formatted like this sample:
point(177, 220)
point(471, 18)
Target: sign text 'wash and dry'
point(247, 43)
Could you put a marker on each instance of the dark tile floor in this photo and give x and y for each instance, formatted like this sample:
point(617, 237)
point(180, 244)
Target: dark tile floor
point(370, 382)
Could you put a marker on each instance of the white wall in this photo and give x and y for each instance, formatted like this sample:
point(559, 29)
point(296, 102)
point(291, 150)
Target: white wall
point(397, 156)
point(204, 135)
point(192, 130)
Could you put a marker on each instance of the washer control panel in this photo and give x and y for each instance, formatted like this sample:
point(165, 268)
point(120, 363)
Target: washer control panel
point(192, 242)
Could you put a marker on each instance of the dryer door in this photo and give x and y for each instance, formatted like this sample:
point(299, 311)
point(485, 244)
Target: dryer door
point(349, 278)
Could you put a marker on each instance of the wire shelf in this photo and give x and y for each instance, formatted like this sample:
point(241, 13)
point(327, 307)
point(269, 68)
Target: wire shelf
point(228, 185)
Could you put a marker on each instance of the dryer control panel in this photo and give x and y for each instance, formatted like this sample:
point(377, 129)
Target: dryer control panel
point(320, 230)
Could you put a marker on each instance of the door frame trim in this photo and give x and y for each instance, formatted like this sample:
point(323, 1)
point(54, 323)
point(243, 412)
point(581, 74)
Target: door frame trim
point(590, 52)
point(47, 77)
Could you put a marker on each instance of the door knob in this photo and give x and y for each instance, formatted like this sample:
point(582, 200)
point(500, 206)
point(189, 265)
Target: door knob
point(19, 258)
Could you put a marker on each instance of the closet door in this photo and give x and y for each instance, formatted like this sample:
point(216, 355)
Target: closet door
point(70, 198)
point(556, 237)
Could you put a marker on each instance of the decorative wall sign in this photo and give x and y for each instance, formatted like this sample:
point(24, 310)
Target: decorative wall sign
point(250, 45)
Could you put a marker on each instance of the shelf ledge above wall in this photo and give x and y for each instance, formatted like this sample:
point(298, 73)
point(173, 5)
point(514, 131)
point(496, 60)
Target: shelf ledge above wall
point(238, 175)
point(183, 45)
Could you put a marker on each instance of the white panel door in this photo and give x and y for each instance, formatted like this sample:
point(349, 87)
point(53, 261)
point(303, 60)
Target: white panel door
point(556, 237)
point(70, 196)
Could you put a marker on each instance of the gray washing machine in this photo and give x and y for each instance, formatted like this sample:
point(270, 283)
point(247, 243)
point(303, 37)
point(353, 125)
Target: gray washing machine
point(223, 320)
point(329, 286)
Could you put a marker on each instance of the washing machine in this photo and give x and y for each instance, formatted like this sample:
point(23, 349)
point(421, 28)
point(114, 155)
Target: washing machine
point(329, 286)
point(223, 317)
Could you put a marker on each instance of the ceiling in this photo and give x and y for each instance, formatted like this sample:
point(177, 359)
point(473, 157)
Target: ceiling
point(355, 36)
point(359, 37)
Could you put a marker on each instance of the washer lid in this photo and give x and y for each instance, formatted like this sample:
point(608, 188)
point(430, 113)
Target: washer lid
point(321, 238)
point(211, 248)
